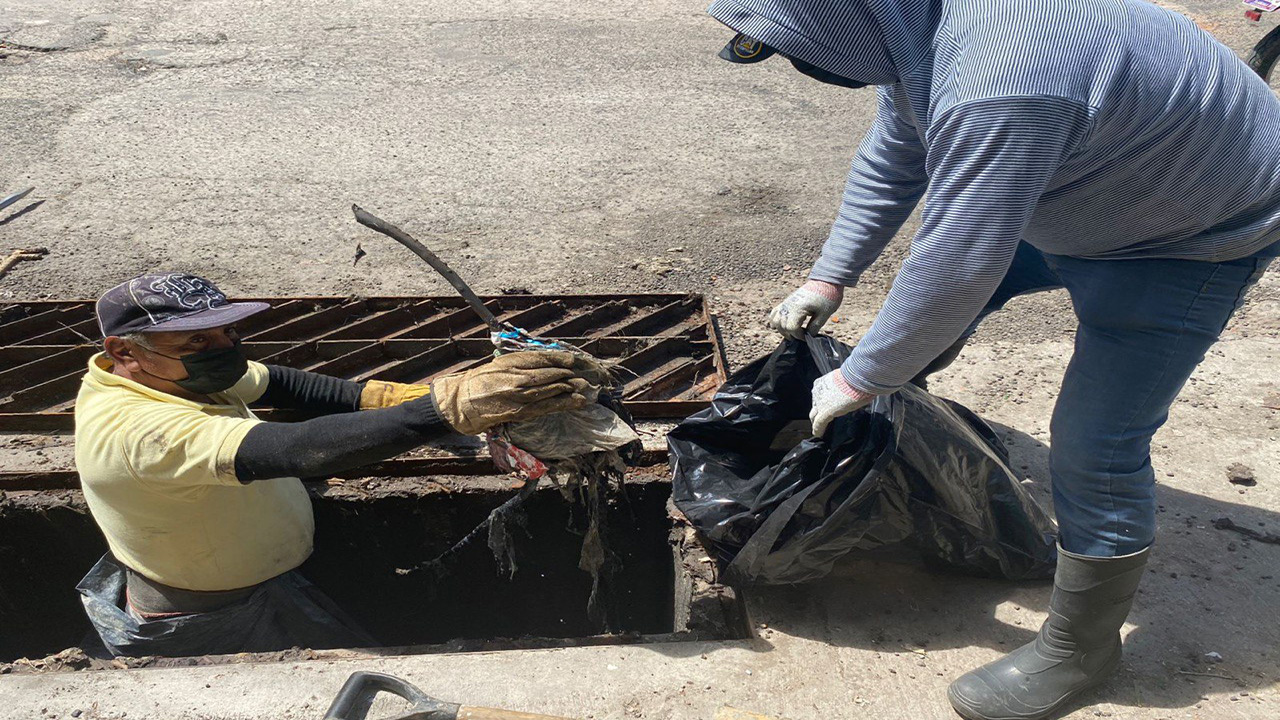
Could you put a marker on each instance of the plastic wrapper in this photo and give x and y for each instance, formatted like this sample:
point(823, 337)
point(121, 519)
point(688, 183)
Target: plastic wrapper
point(564, 435)
point(911, 471)
point(601, 427)
point(283, 612)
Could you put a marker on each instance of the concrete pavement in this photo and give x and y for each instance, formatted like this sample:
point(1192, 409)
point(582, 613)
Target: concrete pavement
point(590, 147)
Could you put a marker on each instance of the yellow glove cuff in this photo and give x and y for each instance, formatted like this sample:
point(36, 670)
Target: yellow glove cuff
point(379, 394)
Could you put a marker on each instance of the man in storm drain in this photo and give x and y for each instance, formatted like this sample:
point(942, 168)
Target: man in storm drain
point(200, 501)
point(1108, 147)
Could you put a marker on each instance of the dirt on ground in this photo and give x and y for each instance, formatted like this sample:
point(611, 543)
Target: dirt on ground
point(603, 148)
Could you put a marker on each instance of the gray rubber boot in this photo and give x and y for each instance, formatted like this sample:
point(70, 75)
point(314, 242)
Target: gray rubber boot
point(1078, 646)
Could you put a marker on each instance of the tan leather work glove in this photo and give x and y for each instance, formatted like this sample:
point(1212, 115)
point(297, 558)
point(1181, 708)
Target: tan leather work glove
point(515, 386)
point(380, 394)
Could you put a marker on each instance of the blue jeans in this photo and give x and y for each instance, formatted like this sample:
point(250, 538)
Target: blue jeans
point(1144, 326)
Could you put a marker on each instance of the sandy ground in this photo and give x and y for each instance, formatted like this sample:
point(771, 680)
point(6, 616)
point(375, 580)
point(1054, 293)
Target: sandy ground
point(592, 147)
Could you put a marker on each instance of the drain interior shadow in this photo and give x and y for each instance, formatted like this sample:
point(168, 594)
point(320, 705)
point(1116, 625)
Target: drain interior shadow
point(367, 544)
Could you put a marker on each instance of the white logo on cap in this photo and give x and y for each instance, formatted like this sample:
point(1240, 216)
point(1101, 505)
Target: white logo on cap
point(188, 291)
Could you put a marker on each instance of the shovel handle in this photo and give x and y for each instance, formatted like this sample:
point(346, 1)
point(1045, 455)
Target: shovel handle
point(482, 713)
point(357, 693)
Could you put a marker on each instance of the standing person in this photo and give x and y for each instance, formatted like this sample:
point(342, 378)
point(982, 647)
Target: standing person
point(200, 501)
point(1106, 146)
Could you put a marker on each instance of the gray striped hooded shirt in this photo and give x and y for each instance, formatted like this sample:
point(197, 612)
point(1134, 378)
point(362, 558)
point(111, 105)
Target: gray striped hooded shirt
point(1091, 128)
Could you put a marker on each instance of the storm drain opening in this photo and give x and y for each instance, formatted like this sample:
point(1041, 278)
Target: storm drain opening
point(370, 534)
point(376, 525)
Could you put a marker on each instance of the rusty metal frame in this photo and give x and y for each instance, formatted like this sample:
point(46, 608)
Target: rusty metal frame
point(667, 346)
point(669, 342)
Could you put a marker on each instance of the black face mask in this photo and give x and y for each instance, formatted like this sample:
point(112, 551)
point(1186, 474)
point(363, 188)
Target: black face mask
point(209, 371)
point(823, 76)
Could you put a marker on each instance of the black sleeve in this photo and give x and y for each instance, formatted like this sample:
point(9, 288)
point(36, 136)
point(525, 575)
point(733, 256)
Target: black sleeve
point(312, 392)
point(334, 443)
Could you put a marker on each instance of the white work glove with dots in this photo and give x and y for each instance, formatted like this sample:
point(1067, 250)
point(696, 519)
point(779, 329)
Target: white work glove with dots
point(806, 309)
point(833, 396)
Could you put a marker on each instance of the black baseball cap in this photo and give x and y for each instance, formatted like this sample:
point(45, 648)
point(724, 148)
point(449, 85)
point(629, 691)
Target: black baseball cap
point(746, 49)
point(168, 302)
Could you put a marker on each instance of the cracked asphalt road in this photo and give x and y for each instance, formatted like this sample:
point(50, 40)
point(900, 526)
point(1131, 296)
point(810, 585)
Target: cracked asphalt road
point(593, 147)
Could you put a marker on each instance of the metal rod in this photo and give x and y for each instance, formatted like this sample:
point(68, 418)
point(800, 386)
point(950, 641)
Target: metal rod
point(451, 324)
point(528, 319)
point(318, 321)
point(473, 465)
point(375, 223)
point(656, 385)
point(43, 343)
point(580, 323)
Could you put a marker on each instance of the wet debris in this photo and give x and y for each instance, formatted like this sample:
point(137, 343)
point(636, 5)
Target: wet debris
point(74, 659)
point(194, 52)
point(20, 255)
point(1220, 676)
point(69, 659)
point(731, 713)
point(585, 452)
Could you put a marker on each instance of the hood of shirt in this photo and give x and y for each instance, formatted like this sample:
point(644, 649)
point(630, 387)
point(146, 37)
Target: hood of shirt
point(878, 42)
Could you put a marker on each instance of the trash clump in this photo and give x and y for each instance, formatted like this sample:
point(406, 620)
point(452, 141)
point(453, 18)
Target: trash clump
point(583, 452)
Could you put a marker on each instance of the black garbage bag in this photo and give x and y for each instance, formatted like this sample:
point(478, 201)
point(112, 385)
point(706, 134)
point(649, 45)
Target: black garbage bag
point(912, 471)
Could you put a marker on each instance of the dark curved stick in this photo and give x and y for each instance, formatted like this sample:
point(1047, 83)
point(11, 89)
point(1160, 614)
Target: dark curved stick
point(375, 223)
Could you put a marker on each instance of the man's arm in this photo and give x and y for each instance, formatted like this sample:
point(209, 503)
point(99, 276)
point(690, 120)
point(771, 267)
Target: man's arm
point(312, 392)
point(177, 445)
point(514, 386)
point(336, 443)
point(325, 395)
point(990, 161)
point(886, 181)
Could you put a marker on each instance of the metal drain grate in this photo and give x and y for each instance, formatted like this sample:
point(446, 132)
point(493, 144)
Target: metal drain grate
point(667, 345)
